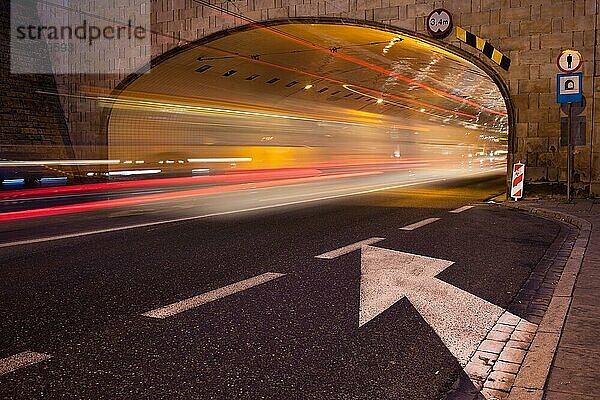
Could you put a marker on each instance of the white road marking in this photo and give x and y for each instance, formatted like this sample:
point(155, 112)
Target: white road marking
point(21, 360)
point(175, 220)
point(419, 224)
point(196, 301)
point(460, 318)
point(461, 209)
point(348, 249)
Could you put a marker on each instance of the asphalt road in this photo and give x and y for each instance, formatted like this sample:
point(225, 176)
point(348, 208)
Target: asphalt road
point(80, 299)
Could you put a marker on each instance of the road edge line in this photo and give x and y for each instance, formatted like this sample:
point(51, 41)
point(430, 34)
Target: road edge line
point(531, 379)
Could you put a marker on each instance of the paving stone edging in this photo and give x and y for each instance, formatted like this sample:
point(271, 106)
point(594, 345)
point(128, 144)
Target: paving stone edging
point(531, 378)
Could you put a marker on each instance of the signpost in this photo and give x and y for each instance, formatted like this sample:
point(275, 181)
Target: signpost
point(569, 91)
point(439, 23)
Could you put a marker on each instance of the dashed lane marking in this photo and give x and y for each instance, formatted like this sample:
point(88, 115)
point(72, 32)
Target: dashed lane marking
point(196, 301)
point(419, 224)
point(461, 209)
point(348, 249)
point(21, 360)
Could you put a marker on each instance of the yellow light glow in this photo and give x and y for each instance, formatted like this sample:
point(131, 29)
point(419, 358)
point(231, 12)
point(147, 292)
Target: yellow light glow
point(308, 87)
point(379, 101)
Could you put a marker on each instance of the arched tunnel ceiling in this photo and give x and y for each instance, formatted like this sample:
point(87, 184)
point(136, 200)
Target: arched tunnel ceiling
point(358, 75)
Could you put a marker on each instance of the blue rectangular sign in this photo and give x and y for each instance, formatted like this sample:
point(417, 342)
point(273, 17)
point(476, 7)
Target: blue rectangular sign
point(569, 88)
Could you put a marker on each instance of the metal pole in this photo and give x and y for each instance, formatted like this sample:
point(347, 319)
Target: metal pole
point(569, 153)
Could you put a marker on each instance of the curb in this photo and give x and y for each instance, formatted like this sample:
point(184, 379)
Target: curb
point(531, 378)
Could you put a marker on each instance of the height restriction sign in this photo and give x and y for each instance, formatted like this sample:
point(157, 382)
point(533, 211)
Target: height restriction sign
point(439, 23)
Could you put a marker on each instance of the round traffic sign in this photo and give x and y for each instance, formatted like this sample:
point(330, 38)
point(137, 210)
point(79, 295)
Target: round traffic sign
point(439, 23)
point(569, 60)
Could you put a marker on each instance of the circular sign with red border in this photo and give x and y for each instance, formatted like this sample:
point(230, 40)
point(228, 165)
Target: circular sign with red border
point(569, 60)
point(439, 23)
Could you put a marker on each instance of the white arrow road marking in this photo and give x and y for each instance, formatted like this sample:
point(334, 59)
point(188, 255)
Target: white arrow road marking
point(348, 249)
point(419, 224)
point(461, 209)
point(21, 360)
point(193, 302)
point(460, 318)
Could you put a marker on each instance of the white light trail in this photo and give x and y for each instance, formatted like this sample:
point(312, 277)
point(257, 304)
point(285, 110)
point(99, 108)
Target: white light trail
point(56, 162)
point(218, 160)
point(135, 172)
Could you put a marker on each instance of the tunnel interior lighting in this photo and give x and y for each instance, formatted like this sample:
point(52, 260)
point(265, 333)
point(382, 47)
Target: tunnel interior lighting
point(203, 68)
point(323, 90)
point(292, 83)
point(230, 72)
point(379, 101)
point(271, 81)
point(391, 44)
point(307, 87)
point(252, 77)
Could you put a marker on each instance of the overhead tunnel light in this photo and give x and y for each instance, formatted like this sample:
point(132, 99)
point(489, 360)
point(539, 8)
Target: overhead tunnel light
point(307, 87)
point(204, 68)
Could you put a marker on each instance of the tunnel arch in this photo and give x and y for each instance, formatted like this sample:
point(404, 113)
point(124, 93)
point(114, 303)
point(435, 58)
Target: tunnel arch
point(484, 65)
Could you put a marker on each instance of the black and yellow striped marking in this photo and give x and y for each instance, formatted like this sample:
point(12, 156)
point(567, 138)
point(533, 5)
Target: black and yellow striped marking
point(485, 47)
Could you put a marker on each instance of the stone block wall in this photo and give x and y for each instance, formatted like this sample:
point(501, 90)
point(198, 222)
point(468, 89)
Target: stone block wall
point(32, 123)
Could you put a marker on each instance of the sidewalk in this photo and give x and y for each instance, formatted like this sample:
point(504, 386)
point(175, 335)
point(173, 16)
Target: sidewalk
point(569, 346)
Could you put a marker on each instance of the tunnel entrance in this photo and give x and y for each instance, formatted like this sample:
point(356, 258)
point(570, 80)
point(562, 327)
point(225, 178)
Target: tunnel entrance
point(303, 93)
